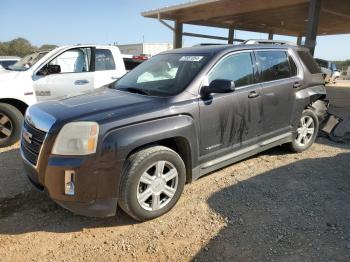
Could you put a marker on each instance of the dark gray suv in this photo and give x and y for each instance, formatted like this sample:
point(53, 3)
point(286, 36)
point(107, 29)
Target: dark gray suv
point(179, 116)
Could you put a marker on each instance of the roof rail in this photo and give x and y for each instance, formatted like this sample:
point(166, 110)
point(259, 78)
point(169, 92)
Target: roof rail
point(267, 42)
point(209, 44)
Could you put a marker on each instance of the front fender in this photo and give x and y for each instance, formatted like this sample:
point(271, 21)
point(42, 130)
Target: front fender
point(118, 143)
point(122, 141)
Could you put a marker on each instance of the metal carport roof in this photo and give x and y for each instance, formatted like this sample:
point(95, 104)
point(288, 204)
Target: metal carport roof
point(285, 17)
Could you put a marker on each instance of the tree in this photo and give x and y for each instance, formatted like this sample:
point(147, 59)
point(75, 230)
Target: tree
point(21, 47)
point(47, 47)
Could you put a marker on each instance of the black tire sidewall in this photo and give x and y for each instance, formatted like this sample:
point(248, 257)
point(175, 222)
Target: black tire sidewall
point(133, 175)
point(16, 119)
point(295, 146)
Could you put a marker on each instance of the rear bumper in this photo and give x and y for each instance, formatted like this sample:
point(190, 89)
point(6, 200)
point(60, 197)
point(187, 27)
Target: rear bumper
point(85, 201)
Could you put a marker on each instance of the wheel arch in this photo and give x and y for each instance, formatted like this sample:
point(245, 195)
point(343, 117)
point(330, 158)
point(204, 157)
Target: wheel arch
point(180, 145)
point(20, 105)
point(177, 133)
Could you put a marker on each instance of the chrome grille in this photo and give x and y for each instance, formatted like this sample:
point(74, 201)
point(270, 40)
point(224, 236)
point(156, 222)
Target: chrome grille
point(32, 145)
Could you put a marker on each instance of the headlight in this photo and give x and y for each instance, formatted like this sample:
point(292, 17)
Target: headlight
point(77, 138)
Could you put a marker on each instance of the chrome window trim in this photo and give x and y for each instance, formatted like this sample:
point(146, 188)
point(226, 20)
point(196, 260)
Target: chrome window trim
point(205, 78)
point(293, 56)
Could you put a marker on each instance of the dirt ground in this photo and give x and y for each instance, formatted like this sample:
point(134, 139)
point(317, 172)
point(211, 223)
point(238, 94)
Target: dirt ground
point(277, 206)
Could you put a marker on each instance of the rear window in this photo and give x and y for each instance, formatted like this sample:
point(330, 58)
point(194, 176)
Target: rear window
point(274, 65)
point(104, 60)
point(309, 62)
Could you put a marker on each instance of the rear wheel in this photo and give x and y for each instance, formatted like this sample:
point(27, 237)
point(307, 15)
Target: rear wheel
point(306, 132)
point(11, 120)
point(152, 182)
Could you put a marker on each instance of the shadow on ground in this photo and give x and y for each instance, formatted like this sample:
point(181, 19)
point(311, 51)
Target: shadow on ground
point(25, 209)
point(298, 212)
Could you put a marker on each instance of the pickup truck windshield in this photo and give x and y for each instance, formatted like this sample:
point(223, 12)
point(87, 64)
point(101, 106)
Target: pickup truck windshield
point(163, 75)
point(27, 62)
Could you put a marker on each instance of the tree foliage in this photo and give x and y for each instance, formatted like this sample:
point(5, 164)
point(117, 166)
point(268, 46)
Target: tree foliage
point(20, 47)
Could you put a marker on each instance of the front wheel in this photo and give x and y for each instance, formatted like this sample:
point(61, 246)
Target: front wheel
point(306, 132)
point(152, 182)
point(10, 125)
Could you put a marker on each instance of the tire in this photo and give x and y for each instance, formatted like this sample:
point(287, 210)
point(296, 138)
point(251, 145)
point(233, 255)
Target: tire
point(136, 185)
point(304, 137)
point(11, 120)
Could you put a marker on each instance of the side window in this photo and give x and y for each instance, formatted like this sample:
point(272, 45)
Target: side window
point(274, 65)
point(309, 62)
point(293, 67)
point(237, 68)
point(74, 60)
point(104, 60)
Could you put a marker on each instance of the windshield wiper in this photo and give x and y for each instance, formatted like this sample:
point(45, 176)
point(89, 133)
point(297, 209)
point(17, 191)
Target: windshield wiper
point(135, 90)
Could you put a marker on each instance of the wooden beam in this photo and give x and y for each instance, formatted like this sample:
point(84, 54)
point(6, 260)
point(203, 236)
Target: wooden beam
point(270, 35)
point(231, 36)
point(178, 33)
point(299, 40)
point(312, 27)
point(225, 8)
point(206, 36)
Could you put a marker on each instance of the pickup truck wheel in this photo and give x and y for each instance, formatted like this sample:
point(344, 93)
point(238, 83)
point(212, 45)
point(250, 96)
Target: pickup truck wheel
point(11, 120)
point(306, 132)
point(152, 182)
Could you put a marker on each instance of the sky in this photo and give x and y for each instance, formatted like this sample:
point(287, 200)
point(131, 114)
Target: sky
point(67, 22)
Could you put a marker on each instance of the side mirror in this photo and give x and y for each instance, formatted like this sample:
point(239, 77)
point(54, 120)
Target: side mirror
point(49, 70)
point(218, 86)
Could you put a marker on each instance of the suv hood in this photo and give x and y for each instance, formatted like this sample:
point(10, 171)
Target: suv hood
point(101, 105)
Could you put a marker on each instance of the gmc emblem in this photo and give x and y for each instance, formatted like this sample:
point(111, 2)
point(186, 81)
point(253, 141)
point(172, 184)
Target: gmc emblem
point(27, 136)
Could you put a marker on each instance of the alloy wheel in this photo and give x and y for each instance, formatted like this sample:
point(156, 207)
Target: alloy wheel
point(6, 127)
point(157, 186)
point(305, 131)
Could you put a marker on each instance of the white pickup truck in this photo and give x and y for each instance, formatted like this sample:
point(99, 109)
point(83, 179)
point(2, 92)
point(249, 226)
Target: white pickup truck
point(50, 75)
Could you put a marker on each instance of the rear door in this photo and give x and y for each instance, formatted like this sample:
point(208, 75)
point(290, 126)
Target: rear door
point(105, 67)
point(279, 77)
point(231, 121)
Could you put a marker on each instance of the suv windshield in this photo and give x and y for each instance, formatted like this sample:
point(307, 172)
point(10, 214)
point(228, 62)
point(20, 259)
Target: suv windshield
point(27, 62)
point(163, 75)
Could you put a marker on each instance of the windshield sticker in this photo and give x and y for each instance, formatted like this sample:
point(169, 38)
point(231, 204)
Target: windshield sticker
point(191, 58)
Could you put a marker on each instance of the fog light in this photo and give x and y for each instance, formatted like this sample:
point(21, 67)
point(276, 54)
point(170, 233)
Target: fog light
point(69, 178)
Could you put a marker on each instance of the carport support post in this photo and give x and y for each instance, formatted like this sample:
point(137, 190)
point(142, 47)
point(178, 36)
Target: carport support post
point(312, 26)
point(299, 39)
point(178, 30)
point(271, 36)
point(231, 34)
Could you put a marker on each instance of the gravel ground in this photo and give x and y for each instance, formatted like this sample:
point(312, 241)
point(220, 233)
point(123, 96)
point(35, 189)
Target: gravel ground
point(276, 206)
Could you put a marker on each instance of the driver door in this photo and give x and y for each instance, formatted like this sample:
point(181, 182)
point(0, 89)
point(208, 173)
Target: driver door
point(231, 121)
point(75, 76)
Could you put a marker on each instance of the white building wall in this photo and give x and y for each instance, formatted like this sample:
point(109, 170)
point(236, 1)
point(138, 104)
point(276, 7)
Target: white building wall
point(145, 48)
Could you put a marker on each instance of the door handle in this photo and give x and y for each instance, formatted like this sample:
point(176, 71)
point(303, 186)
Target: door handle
point(81, 82)
point(115, 77)
point(296, 85)
point(253, 94)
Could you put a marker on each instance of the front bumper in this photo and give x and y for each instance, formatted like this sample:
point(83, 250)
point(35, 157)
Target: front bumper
point(89, 198)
